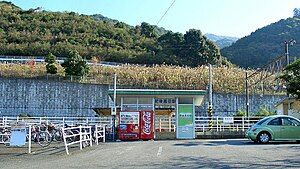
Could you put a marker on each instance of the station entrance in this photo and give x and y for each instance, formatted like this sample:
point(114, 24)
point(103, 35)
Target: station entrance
point(163, 103)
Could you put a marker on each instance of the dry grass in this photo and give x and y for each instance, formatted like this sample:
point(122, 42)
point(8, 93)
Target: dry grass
point(225, 80)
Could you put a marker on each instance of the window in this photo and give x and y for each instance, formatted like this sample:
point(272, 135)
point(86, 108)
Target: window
point(289, 122)
point(295, 121)
point(275, 122)
point(262, 121)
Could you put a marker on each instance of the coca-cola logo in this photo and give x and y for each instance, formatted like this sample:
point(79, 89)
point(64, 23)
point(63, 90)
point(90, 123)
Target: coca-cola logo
point(147, 123)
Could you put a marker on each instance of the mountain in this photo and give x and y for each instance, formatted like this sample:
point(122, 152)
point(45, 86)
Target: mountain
point(265, 44)
point(221, 41)
point(158, 30)
point(37, 32)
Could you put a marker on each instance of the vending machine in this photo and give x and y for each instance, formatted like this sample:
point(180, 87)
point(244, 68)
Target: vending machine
point(129, 126)
point(146, 125)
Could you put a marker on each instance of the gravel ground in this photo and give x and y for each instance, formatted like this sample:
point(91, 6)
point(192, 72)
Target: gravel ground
point(235, 153)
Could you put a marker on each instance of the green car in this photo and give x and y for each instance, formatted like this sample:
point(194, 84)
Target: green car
point(271, 128)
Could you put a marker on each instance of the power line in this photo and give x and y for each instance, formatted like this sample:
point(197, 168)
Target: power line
point(166, 12)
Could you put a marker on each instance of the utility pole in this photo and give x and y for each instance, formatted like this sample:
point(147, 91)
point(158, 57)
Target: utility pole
point(210, 106)
point(287, 52)
point(114, 109)
point(247, 96)
point(287, 43)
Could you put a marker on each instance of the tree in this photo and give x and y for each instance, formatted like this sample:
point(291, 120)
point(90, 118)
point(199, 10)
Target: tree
point(51, 68)
point(292, 77)
point(296, 12)
point(147, 30)
point(75, 65)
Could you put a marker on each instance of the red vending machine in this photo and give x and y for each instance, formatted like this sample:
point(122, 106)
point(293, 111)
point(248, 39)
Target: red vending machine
point(146, 125)
point(129, 126)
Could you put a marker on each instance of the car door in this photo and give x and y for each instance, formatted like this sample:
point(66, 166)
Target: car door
point(290, 128)
point(275, 126)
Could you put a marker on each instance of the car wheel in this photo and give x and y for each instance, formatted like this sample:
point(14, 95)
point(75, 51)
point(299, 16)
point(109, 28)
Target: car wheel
point(263, 137)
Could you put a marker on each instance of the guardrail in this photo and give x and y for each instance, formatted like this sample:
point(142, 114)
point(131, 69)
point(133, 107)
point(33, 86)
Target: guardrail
point(41, 59)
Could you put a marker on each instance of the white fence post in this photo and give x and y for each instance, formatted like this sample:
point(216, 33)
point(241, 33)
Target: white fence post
point(65, 140)
point(96, 134)
point(243, 123)
point(91, 136)
point(170, 124)
point(217, 123)
point(80, 137)
point(104, 134)
point(159, 124)
point(29, 139)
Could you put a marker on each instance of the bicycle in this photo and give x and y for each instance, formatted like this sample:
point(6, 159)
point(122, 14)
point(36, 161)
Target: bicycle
point(40, 135)
point(4, 135)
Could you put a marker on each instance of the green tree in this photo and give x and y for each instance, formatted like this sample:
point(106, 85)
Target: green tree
point(296, 12)
point(75, 65)
point(196, 50)
point(51, 68)
point(147, 30)
point(292, 77)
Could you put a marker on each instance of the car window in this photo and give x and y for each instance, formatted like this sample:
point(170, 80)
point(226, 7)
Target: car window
point(262, 121)
point(287, 122)
point(275, 122)
point(290, 122)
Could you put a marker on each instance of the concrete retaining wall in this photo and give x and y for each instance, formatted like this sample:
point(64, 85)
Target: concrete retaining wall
point(50, 98)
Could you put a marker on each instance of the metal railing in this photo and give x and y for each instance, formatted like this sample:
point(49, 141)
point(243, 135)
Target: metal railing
point(6, 120)
point(164, 123)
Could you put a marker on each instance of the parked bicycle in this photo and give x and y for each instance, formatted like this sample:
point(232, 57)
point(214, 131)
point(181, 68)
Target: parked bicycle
point(40, 135)
point(4, 135)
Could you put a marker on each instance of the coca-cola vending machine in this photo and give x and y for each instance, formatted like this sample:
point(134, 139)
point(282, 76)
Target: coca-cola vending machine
point(146, 125)
point(129, 126)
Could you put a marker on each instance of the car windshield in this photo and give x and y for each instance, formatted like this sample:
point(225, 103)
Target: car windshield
point(260, 122)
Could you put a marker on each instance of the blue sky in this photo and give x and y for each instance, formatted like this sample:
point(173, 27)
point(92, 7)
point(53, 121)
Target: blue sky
point(222, 17)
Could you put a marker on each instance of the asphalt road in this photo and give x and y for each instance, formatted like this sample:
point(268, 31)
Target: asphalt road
point(158, 154)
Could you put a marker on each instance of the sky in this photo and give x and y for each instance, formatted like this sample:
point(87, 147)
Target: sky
point(236, 18)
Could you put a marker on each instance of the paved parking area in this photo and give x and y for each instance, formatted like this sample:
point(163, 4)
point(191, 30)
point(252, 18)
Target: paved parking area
point(158, 154)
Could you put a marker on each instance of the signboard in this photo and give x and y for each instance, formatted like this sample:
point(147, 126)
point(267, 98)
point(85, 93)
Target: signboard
point(147, 125)
point(129, 117)
point(185, 117)
point(228, 120)
point(18, 134)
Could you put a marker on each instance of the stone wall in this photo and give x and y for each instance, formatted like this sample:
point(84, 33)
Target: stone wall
point(50, 98)
point(229, 104)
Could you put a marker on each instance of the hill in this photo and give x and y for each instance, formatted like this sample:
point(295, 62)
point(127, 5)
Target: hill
point(265, 44)
point(36, 33)
point(221, 41)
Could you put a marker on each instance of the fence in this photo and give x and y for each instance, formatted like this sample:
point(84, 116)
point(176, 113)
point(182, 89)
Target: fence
point(163, 123)
point(84, 133)
point(99, 133)
point(70, 134)
point(5, 121)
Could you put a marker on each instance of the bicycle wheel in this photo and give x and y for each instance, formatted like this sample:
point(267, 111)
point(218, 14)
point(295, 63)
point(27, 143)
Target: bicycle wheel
point(57, 135)
point(43, 138)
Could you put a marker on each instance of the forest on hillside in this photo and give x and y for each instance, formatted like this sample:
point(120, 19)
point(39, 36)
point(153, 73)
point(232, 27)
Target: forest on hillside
point(267, 43)
point(36, 32)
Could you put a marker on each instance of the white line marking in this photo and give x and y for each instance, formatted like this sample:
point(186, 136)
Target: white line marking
point(159, 151)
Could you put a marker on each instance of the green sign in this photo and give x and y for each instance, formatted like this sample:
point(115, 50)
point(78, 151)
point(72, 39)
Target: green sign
point(185, 115)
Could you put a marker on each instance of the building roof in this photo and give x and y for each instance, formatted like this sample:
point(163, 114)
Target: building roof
point(152, 92)
point(286, 101)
